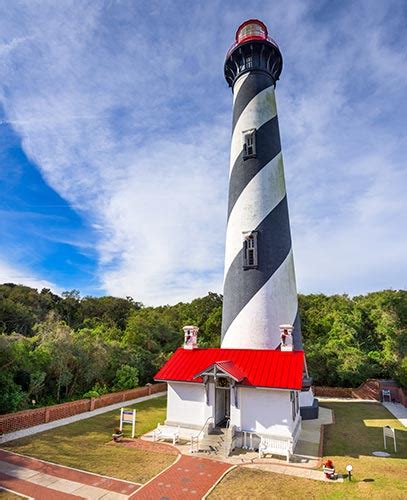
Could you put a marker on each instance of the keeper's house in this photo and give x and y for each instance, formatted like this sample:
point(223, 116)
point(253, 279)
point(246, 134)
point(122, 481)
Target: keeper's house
point(255, 392)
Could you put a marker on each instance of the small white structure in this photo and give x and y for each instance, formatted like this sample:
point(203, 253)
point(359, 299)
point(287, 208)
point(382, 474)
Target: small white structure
point(254, 393)
point(390, 432)
point(128, 417)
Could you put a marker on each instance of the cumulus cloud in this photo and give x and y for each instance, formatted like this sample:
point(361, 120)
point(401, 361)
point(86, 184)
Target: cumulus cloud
point(124, 110)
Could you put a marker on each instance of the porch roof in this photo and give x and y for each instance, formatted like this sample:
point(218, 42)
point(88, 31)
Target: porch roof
point(250, 367)
point(227, 367)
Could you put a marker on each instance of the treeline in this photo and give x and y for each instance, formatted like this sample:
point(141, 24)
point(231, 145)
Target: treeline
point(56, 348)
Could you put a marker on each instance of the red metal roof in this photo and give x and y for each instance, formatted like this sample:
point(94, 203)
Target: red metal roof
point(261, 367)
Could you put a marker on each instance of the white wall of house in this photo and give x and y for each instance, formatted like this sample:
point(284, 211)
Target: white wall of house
point(186, 404)
point(264, 411)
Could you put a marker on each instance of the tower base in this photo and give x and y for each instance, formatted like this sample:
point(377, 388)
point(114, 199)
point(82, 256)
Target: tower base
point(309, 406)
point(310, 412)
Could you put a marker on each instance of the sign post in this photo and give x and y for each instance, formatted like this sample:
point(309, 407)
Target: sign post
point(391, 433)
point(128, 417)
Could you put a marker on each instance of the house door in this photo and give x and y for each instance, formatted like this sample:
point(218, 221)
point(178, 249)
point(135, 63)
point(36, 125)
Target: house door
point(222, 406)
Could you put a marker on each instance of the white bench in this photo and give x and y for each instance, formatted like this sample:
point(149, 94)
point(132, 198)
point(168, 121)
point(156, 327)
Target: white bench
point(275, 446)
point(166, 432)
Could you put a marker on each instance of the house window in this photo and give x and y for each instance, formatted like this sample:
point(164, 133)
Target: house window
point(250, 257)
point(293, 404)
point(249, 144)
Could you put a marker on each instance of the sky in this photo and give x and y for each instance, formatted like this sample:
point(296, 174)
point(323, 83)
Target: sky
point(115, 124)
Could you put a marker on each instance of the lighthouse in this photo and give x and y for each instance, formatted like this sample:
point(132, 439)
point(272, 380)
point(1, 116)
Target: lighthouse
point(260, 291)
point(254, 390)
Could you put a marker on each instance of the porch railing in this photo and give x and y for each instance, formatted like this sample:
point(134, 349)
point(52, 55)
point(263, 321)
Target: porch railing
point(202, 433)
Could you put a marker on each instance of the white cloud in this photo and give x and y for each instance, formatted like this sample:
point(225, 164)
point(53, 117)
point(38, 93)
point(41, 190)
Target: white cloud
point(127, 117)
point(11, 274)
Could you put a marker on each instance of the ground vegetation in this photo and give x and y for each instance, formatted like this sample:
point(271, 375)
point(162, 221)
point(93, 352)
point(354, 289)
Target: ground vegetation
point(57, 348)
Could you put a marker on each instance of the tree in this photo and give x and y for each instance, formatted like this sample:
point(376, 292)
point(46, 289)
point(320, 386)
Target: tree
point(126, 377)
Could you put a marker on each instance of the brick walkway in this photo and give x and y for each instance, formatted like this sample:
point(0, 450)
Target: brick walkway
point(188, 478)
point(43, 480)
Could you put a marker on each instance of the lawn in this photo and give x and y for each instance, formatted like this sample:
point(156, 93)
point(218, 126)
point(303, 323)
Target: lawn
point(7, 495)
point(357, 432)
point(87, 444)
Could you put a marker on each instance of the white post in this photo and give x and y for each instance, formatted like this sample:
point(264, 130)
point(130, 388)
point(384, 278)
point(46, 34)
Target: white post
point(134, 424)
point(121, 418)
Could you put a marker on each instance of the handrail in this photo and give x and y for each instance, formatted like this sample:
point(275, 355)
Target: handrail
point(196, 437)
point(203, 427)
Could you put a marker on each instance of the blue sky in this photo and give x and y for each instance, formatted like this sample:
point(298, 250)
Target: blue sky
point(114, 143)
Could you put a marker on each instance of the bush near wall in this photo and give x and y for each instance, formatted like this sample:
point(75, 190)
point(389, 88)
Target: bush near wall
point(12, 422)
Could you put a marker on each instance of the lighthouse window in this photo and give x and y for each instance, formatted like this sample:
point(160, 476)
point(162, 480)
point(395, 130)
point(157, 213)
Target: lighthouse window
point(249, 144)
point(250, 260)
point(249, 62)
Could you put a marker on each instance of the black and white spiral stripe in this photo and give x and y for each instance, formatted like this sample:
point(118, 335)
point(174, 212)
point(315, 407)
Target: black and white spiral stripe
point(257, 301)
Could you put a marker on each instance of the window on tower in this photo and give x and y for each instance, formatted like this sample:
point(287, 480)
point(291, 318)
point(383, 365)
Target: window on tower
point(250, 257)
point(249, 144)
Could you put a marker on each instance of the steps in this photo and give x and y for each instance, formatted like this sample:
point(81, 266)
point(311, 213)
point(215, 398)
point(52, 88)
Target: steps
point(216, 443)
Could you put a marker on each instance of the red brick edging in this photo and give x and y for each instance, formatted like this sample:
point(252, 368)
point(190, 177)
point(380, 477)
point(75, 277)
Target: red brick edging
point(17, 421)
point(62, 472)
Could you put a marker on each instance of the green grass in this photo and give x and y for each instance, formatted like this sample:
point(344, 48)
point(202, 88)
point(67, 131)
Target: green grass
point(357, 432)
point(8, 495)
point(87, 444)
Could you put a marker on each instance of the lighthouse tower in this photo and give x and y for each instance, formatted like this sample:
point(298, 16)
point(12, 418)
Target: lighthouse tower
point(224, 387)
point(260, 291)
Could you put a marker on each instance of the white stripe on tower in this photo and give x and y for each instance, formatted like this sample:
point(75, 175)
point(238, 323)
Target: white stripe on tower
point(260, 298)
point(253, 205)
point(266, 311)
point(259, 111)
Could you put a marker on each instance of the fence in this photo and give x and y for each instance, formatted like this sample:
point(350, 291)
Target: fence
point(12, 422)
point(371, 389)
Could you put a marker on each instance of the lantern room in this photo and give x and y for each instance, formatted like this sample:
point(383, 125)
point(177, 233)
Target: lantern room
point(253, 29)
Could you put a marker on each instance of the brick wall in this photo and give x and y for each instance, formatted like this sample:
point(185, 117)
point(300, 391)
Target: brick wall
point(332, 392)
point(368, 390)
point(371, 389)
point(12, 422)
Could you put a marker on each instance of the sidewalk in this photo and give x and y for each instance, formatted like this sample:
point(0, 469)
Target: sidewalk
point(288, 470)
point(75, 418)
point(188, 478)
point(398, 410)
point(44, 480)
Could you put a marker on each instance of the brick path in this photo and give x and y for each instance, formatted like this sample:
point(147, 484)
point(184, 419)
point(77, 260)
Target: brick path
point(43, 480)
point(188, 478)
